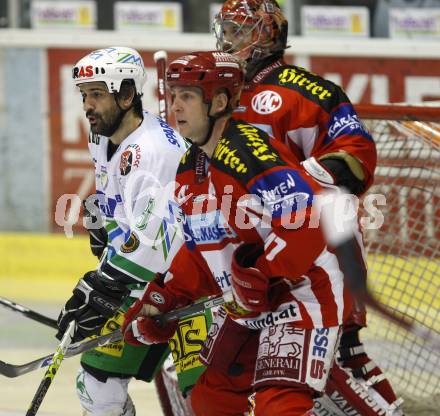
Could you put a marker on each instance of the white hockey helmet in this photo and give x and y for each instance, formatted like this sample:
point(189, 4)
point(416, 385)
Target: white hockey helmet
point(111, 65)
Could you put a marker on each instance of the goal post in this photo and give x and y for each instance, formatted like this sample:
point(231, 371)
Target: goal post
point(404, 252)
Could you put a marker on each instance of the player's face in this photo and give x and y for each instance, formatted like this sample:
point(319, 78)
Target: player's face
point(191, 112)
point(100, 107)
point(234, 38)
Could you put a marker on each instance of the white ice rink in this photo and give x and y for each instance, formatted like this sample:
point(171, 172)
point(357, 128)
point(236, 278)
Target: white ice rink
point(23, 340)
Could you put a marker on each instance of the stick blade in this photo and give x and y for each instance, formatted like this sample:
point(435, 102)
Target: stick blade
point(8, 370)
point(11, 370)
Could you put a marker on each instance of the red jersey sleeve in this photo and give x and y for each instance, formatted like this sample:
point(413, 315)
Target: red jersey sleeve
point(294, 239)
point(273, 189)
point(344, 136)
point(313, 116)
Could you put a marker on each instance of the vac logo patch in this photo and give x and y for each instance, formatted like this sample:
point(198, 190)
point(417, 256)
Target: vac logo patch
point(266, 102)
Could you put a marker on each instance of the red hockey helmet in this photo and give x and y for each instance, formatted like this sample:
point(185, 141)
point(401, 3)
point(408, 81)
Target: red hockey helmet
point(210, 71)
point(251, 29)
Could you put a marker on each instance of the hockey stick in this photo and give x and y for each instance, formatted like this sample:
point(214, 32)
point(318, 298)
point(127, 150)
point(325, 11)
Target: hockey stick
point(11, 370)
point(28, 313)
point(52, 370)
point(160, 58)
point(193, 309)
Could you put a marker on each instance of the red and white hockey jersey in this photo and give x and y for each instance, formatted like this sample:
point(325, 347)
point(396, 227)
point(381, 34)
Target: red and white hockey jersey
point(310, 114)
point(250, 191)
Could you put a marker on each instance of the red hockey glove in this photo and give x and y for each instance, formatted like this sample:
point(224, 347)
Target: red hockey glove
point(146, 331)
point(249, 285)
point(138, 327)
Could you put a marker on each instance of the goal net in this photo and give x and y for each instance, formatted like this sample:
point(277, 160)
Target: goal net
point(404, 253)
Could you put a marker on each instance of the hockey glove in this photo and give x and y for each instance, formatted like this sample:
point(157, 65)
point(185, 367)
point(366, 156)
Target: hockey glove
point(334, 172)
point(249, 285)
point(97, 234)
point(344, 177)
point(138, 327)
point(95, 299)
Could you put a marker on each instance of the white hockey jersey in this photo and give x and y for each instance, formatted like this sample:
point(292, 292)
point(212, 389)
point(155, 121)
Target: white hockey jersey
point(135, 189)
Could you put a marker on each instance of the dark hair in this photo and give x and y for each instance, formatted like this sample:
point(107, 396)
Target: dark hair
point(127, 89)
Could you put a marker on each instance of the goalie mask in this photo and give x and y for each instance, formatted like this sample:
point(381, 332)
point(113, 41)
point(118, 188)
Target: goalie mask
point(111, 65)
point(251, 29)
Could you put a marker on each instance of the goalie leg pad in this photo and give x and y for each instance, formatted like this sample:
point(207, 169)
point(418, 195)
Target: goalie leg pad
point(352, 397)
point(108, 398)
point(352, 356)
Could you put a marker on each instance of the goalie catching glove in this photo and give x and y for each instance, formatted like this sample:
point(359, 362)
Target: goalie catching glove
point(95, 299)
point(138, 327)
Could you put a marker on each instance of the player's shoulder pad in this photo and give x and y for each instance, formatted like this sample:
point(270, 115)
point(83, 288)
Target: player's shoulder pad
point(312, 86)
point(245, 151)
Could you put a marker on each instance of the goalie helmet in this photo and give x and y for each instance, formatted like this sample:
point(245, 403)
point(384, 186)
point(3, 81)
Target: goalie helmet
point(210, 71)
point(251, 29)
point(111, 65)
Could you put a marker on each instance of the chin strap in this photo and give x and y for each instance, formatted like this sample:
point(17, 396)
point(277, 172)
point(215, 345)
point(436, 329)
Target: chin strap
point(212, 120)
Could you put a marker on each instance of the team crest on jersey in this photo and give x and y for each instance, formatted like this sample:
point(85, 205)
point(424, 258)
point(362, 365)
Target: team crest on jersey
point(131, 244)
point(131, 157)
point(126, 162)
point(266, 102)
